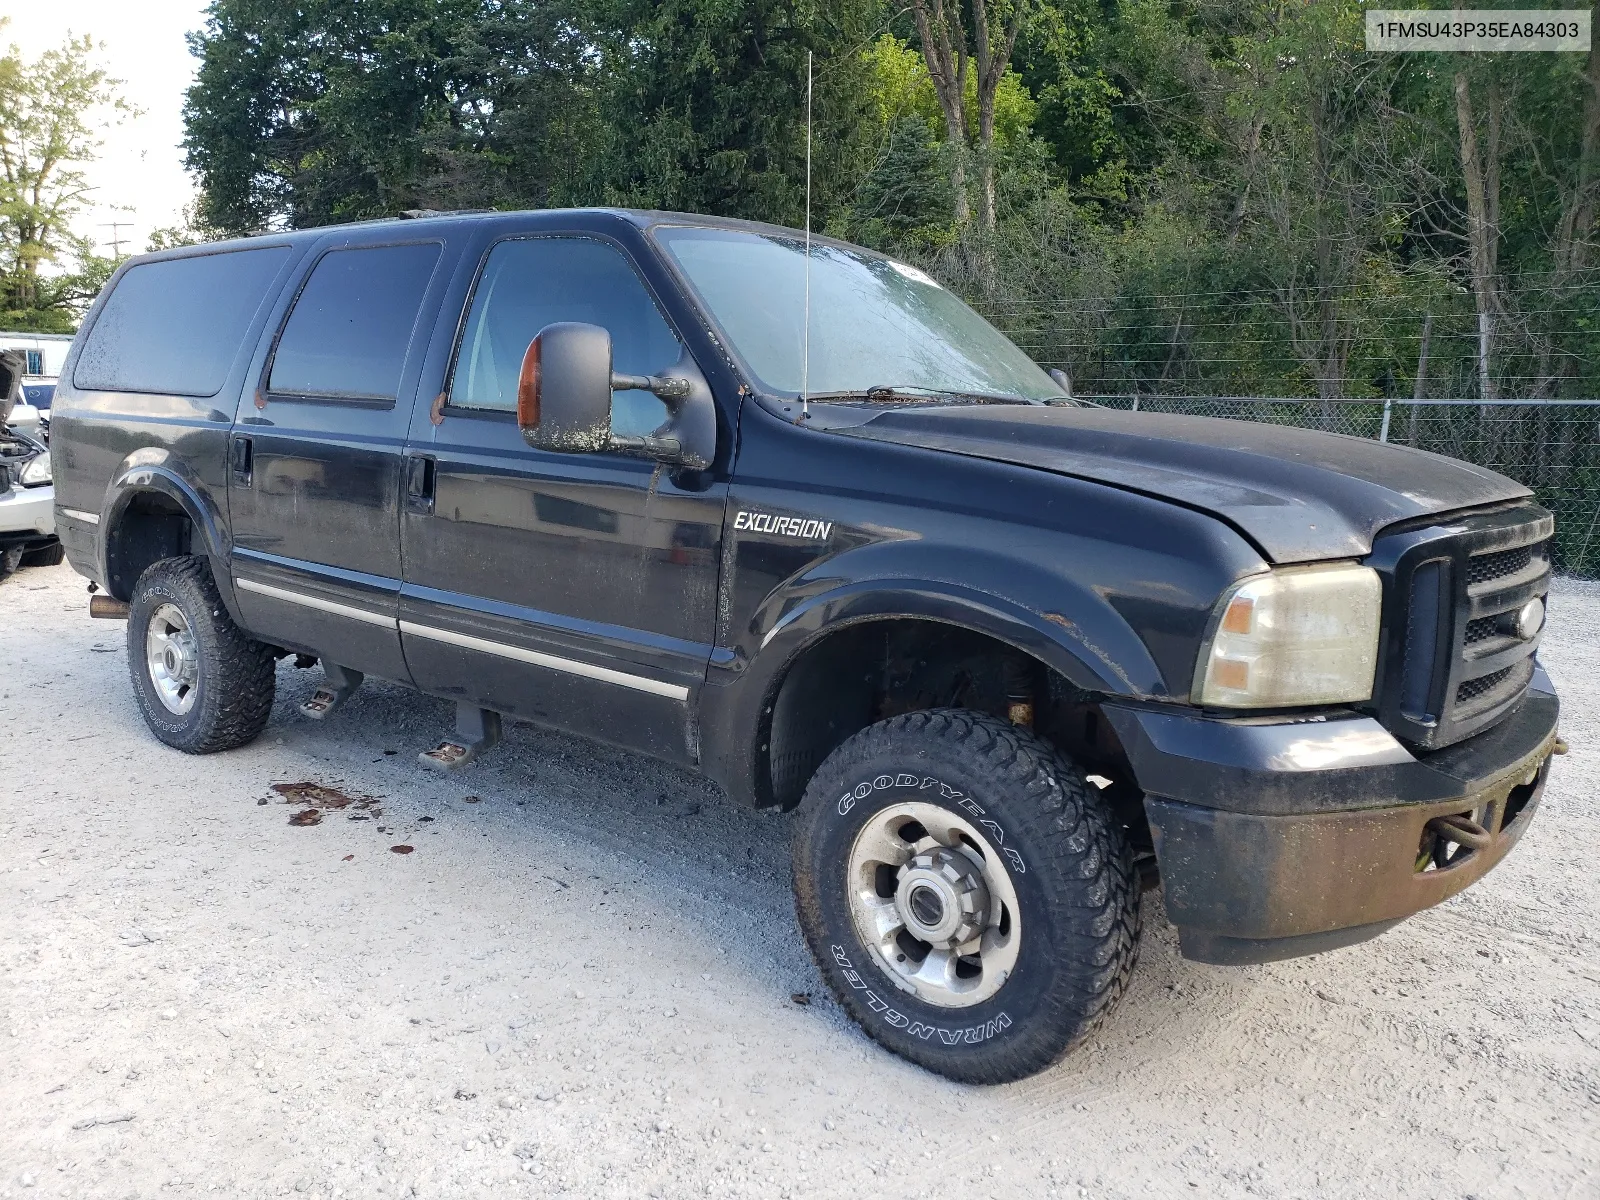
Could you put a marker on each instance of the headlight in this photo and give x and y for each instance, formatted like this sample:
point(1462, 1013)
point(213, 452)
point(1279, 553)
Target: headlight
point(36, 472)
point(1299, 635)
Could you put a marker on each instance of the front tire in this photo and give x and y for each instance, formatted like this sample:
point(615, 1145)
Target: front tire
point(202, 683)
point(966, 894)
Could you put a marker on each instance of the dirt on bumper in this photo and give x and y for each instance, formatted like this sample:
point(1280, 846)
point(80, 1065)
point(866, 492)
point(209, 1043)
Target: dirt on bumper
point(1254, 886)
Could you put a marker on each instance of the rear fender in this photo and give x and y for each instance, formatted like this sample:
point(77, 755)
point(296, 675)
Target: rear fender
point(156, 471)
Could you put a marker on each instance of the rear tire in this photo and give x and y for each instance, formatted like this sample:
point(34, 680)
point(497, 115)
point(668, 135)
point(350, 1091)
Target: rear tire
point(46, 556)
point(1011, 822)
point(203, 684)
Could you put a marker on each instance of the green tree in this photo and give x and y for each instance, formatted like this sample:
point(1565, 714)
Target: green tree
point(309, 113)
point(708, 101)
point(976, 45)
point(52, 114)
point(1195, 195)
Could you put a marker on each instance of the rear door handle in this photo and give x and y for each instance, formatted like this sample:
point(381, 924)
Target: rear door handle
point(420, 472)
point(242, 459)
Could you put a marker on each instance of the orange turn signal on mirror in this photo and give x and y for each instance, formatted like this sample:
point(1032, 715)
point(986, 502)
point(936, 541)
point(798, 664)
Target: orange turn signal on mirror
point(528, 388)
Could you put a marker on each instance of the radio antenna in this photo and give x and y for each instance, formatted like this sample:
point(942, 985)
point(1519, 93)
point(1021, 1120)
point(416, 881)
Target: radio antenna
point(805, 336)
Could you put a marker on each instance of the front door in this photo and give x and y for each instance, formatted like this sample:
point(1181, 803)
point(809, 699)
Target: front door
point(576, 590)
point(316, 453)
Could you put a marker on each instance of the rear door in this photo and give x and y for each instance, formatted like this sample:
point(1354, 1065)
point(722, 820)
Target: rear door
point(315, 455)
point(577, 590)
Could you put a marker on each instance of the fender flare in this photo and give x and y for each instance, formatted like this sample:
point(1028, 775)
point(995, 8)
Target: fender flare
point(1054, 639)
point(735, 708)
point(142, 476)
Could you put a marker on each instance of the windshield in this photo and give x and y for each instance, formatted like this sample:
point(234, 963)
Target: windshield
point(875, 323)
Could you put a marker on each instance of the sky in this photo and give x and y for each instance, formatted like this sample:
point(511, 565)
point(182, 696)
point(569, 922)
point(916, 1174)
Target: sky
point(139, 178)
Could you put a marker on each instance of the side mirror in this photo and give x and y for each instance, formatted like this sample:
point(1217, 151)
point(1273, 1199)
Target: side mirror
point(564, 389)
point(564, 400)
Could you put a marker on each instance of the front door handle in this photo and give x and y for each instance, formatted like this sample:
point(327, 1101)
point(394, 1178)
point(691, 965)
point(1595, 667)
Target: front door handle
point(241, 458)
point(420, 472)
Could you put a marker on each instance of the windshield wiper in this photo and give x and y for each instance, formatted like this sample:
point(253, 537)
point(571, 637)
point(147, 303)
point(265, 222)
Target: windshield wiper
point(911, 391)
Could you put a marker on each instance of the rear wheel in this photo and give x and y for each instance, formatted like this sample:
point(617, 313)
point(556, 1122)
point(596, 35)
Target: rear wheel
point(52, 555)
point(966, 894)
point(202, 683)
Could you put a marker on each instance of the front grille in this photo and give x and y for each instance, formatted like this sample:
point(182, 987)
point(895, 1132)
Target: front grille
point(1483, 567)
point(1473, 688)
point(1453, 663)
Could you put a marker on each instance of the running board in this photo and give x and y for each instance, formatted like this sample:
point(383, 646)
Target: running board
point(341, 685)
point(477, 730)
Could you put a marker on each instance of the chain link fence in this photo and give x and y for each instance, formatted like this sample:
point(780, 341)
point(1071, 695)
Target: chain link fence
point(1552, 446)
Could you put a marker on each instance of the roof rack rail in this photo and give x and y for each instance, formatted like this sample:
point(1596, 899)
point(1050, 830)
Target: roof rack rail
point(417, 214)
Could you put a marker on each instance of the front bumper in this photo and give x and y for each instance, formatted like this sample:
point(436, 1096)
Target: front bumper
point(27, 514)
point(1277, 839)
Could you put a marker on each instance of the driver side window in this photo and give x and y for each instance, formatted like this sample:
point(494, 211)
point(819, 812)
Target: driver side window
point(528, 283)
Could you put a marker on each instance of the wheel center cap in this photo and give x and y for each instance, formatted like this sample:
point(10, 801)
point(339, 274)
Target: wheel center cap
point(927, 906)
point(942, 898)
point(177, 657)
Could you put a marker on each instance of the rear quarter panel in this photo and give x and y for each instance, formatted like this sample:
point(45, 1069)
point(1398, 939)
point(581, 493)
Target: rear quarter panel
point(106, 442)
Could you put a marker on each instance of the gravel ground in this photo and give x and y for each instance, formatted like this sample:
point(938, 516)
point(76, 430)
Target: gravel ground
point(586, 980)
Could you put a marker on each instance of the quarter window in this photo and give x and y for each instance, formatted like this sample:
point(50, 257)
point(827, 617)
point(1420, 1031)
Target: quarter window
point(528, 283)
point(176, 325)
point(353, 322)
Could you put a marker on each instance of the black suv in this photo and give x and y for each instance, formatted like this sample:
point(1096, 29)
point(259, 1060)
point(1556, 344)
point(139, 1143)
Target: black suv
point(804, 522)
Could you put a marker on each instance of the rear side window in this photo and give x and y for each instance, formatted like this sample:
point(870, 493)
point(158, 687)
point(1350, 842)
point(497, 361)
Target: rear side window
point(350, 328)
point(175, 326)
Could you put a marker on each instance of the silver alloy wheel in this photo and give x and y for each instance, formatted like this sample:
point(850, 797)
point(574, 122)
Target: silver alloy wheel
point(933, 902)
point(172, 656)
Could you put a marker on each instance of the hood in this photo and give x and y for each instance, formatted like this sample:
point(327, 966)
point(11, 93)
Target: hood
point(1299, 494)
point(12, 366)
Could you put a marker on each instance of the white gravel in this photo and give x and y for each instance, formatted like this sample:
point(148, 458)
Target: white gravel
point(582, 984)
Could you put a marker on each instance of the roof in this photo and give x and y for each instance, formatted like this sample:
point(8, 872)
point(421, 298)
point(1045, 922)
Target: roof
point(36, 337)
point(421, 219)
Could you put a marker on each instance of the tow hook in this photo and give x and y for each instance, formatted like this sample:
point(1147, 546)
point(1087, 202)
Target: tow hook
point(1560, 746)
point(108, 608)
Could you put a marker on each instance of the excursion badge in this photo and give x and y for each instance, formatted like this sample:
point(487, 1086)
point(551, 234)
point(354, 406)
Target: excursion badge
point(802, 528)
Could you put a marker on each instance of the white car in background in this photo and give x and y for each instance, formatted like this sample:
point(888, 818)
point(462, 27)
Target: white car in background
point(27, 495)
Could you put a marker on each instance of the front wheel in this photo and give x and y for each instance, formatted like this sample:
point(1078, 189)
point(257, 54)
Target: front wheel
point(202, 683)
point(966, 894)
